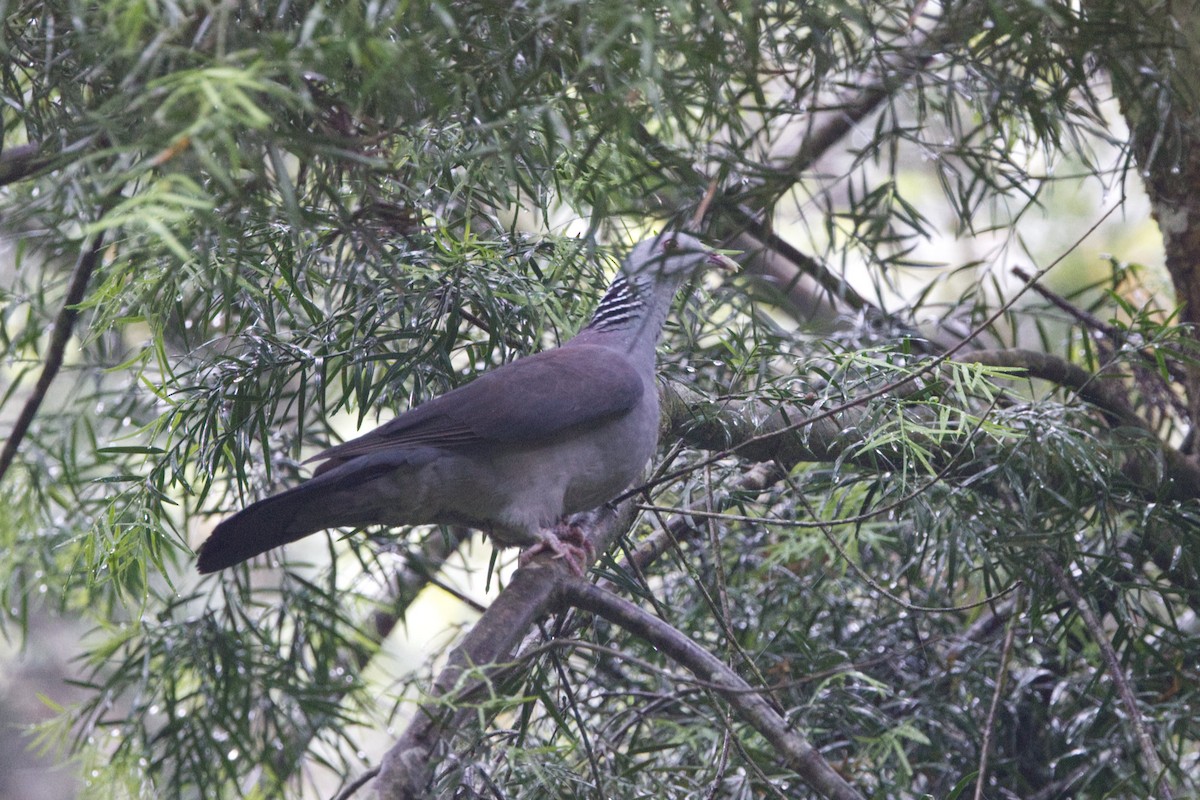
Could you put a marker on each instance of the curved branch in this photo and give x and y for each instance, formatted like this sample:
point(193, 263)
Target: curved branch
point(483, 657)
point(798, 754)
point(766, 433)
point(64, 326)
point(1104, 393)
point(784, 433)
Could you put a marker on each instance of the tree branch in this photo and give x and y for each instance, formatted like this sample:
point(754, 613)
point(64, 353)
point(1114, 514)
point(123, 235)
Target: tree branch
point(533, 593)
point(798, 754)
point(814, 291)
point(406, 768)
point(486, 648)
point(19, 162)
point(989, 727)
point(60, 335)
point(827, 127)
point(1141, 737)
point(680, 526)
point(1105, 394)
point(498, 634)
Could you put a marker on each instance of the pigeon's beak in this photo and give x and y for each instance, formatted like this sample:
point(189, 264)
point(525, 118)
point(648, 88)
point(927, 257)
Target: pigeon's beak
point(723, 261)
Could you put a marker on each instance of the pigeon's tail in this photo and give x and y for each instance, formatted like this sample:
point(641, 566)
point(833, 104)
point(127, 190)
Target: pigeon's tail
point(258, 528)
point(325, 501)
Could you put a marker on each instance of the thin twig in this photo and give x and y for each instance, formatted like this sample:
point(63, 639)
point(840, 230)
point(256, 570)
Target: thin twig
point(559, 643)
point(585, 738)
point(862, 574)
point(1106, 330)
point(1085, 318)
point(1151, 359)
point(897, 68)
point(721, 610)
point(403, 587)
point(651, 548)
point(722, 764)
point(1001, 676)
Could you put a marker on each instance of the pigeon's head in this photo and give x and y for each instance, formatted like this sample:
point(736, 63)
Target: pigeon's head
point(670, 257)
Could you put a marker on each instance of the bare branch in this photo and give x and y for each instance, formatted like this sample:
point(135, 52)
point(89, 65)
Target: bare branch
point(797, 753)
point(60, 335)
point(487, 648)
point(1112, 663)
point(1105, 394)
point(989, 727)
point(826, 128)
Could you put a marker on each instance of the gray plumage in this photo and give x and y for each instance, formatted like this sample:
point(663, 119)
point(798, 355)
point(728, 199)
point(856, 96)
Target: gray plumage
point(511, 452)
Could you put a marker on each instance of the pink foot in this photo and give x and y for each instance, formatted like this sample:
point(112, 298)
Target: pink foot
point(567, 542)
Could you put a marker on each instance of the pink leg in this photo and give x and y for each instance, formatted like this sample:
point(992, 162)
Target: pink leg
point(567, 542)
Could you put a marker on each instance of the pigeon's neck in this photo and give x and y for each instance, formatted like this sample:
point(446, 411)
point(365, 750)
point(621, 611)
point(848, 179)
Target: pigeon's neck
point(631, 315)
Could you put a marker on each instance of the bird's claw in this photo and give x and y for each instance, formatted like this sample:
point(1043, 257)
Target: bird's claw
point(567, 542)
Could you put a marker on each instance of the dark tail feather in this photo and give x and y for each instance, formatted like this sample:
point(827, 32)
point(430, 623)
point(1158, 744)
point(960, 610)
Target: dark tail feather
point(258, 528)
point(325, 501)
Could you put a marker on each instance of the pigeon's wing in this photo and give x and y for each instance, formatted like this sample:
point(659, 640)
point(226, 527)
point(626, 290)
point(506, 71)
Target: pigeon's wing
point(526, 401)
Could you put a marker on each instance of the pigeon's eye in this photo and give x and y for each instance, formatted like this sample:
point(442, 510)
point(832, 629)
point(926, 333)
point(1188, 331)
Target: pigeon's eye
point(670, 246)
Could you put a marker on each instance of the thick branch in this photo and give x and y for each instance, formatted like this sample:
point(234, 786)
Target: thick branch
point(780, 435)
point(22, 161)
point(751, 429)
point(755, 430)
point(406, 768)
point(533, 593)
point(491, 642)
point(19, 162)
point(1106, 394)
